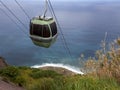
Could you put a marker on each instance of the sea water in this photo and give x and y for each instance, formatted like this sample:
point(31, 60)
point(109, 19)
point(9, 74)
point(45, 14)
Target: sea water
point(83, 24)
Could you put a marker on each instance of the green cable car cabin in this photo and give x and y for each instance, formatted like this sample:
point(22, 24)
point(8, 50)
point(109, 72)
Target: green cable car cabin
point(43, 31)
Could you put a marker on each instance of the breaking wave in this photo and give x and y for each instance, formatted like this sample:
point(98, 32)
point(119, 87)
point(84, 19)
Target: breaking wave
point(68, 67)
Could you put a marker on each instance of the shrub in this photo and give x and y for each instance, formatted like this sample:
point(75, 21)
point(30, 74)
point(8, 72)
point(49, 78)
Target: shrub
point(20, 81)
point(43, 73)
point(13, 74)
point(23, 67)
point(10, 72)
point(44, 84)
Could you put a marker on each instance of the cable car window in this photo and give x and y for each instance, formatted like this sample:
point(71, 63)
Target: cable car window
point(53, 28)
point(46, 31)
point(37, 30)
point(40, 30)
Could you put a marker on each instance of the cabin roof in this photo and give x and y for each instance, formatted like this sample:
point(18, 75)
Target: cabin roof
point(42, 21)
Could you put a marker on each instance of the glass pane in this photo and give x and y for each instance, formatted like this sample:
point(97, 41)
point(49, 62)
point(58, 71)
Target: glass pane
point(37, 30)
point(46, 31)
point(40, 30)
point(53, 28)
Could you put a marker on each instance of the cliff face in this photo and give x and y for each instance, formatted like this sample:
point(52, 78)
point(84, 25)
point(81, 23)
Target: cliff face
point(3, 63)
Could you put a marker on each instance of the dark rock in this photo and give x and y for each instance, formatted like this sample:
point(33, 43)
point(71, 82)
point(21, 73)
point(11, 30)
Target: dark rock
point(3, 63)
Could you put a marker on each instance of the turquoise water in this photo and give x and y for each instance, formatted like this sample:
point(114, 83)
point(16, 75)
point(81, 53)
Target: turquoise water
point(83, 23)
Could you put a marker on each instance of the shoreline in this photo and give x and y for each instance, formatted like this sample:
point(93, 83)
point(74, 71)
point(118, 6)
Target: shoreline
point(60, 68)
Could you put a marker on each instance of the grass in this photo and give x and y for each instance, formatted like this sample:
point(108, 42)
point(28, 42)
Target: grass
point(90, 83)
point(28, 78)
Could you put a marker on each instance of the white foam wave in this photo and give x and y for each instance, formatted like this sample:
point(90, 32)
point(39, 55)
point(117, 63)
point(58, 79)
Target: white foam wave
point(68, 67)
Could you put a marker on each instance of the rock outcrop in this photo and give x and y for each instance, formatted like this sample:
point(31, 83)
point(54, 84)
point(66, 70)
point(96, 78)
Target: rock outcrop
point(3, 63)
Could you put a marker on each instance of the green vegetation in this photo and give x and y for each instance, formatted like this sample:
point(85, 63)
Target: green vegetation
point(36, 74)
point(101, 73)
point(36, 79)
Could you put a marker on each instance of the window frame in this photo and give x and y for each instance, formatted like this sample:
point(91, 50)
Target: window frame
point(40, 30)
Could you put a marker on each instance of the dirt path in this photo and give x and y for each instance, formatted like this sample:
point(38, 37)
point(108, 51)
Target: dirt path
point(8, 86)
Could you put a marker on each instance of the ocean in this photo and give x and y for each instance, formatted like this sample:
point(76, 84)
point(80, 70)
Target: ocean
point(83, 24)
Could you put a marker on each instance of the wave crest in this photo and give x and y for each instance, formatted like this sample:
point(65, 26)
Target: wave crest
point(68, 67)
